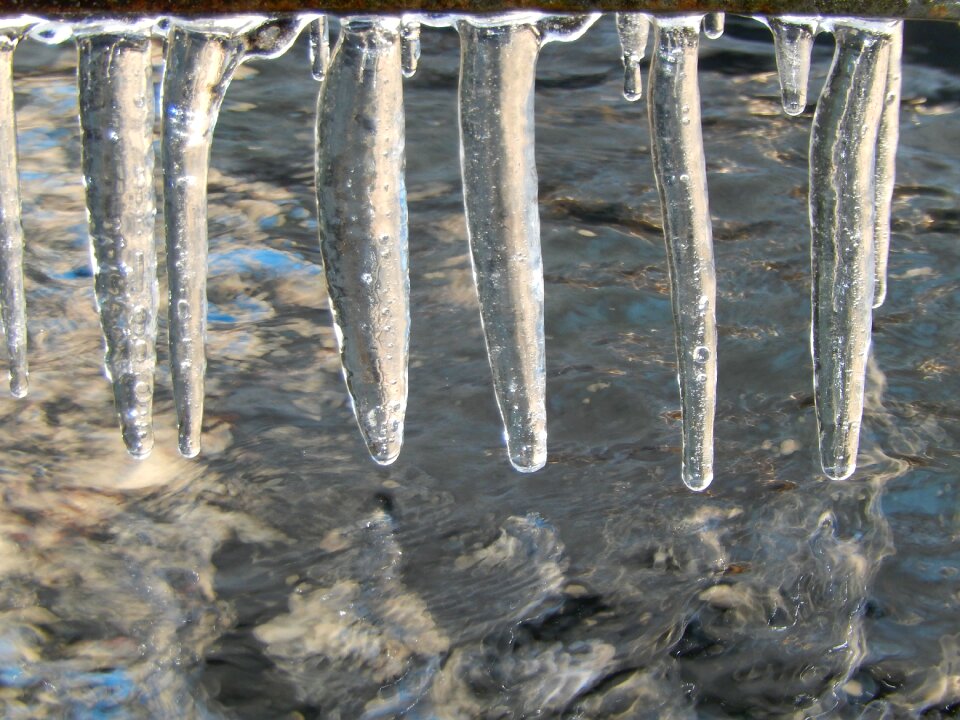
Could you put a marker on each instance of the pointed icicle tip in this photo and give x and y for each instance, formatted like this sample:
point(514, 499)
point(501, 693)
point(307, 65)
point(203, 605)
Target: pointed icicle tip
point(698, 482)
point(19, 384)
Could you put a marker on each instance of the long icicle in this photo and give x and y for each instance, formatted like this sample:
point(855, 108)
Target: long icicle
point(13, 304)
point(201, 59)
point(887, 139)
point(115, 85)
point(497, 72)
point(680, 170)
point(842, 165)
point(793, 43)
point(361, 201)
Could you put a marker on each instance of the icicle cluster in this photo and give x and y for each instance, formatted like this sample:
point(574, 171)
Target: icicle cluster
point(361, 202)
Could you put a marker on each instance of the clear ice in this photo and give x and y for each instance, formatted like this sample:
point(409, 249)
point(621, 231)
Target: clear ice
point(362, 209)
point(843, 149)
point(115, 84)
point(498, 58)
point(13, 304)
point(680, 170)
point(201, 58)
point(713, 25)
point(319, 46)
point(887, 139)
point(410, 46)
point(634, 31)
point(793, 43)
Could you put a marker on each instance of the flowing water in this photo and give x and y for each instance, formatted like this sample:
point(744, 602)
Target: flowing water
point(283, 574)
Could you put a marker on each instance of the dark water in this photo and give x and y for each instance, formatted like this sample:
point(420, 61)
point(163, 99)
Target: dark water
point(284, 575)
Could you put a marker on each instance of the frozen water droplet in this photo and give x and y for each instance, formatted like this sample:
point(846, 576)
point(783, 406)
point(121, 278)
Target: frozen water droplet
point(713, 25)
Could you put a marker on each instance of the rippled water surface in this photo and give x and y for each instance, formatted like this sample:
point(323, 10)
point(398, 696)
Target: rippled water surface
point(284, 575)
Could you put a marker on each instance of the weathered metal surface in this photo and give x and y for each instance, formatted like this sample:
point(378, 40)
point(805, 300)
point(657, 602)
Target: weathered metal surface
point(913, 9)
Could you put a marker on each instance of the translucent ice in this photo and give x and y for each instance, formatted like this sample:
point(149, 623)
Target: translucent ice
point(793, 42)
point(319, 46)
point(13, 305)
point(680, 170)
point(115, 86)
point(201, 58)
point(497, 72)
point(713, 25)
point(634, 30)
point(362, 208)
point(410, 46)
point(842, 215)
point(887, 138)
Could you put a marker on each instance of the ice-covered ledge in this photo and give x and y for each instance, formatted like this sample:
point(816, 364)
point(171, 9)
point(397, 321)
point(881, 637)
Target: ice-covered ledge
point(906, 9)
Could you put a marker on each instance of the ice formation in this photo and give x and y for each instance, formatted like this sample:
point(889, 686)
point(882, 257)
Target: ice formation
point(115, 88)
point(362, 208)
point(362, 212)
point(843, 208)
point(13, 304)
point(201, 58)
point(497, 71)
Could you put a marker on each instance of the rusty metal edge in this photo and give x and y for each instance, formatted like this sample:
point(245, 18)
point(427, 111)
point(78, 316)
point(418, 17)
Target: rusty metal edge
point(907, 9)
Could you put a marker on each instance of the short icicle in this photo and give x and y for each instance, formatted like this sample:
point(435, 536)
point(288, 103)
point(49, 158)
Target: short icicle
point(680, 170)
point(410, 46)
point(887, 139)
point(361, 201)
point(497, 72)
point(319, 46)
point(13, 304)
point(201, 58)
point(713, 25)
point(115, 83)
point(842, 210)
point(634, 31)
point(793, 43)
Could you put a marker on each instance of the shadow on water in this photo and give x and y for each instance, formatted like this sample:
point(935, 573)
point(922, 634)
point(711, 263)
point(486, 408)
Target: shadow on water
point(282, 574)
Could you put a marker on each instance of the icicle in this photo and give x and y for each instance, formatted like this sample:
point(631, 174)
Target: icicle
point(887, 139)
point(842, 165)
point(201, 58)
point(634, 29)
point(793, 43)
point(114, 78)
point(13, 304)
point(410, 46)
point(497, 72)
point(713, 25)
point(361, 201)
point(319, 46)
point(679, 166)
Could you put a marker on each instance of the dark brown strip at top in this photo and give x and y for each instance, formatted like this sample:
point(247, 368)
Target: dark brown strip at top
point(912, 9)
